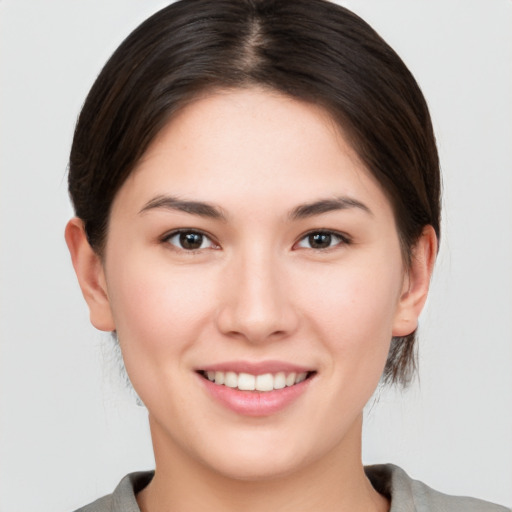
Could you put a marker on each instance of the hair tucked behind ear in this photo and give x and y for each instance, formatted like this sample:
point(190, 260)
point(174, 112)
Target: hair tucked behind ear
point(312, 50)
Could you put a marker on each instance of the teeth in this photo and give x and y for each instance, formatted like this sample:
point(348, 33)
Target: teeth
point(231, 380)
point(301, 377)
point(248, 382)
point(265, 382)
point(290, 379)
point(279, 381)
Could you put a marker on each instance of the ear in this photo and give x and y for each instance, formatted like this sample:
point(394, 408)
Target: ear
point(91, 276)
point(416, 283)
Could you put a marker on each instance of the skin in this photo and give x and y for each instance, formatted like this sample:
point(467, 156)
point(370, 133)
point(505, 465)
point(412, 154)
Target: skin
point(256, 290)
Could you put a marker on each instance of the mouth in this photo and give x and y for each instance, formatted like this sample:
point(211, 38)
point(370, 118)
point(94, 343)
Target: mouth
point(261, 383)
point(257, 389)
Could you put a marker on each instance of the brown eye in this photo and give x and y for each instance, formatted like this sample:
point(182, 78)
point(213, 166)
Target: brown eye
point(322, 240)
point(190, 240)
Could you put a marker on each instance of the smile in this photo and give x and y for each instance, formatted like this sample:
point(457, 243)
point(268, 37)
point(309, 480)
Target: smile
point(248, 382)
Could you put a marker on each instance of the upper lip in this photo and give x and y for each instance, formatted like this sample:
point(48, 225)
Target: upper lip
point(255, 368)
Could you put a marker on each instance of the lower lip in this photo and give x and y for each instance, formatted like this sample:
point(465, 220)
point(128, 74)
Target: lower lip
point(255, 403)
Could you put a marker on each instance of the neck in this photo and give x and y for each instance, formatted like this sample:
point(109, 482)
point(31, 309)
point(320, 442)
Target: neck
point(335, 482)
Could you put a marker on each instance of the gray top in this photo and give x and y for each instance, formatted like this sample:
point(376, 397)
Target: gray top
point(406, 494)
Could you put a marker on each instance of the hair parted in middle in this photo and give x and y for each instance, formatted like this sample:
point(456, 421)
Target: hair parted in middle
point(311, 50)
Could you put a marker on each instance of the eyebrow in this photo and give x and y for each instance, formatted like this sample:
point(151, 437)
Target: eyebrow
point(213, 212)
point(194, 207)
point(327, 205)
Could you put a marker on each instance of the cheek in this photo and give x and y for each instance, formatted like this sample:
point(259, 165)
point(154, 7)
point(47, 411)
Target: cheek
point(159, 316)
point(355, 315)
point(157, 310)
point(356, 301)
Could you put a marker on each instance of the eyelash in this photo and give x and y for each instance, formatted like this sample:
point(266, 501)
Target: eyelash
point(181, 232)
point(342, 239)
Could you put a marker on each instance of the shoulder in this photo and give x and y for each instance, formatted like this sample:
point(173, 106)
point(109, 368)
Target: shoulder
point(101, 505)
point(123, 498)
point(408, 495)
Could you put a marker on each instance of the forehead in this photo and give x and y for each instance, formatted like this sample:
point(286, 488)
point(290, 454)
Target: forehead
point(253, 144)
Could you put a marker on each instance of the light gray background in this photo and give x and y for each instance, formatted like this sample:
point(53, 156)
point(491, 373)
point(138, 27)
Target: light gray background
point(69, 429)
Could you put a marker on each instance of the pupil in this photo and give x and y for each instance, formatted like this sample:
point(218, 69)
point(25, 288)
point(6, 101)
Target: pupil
point(320, 240)
point(191, 240)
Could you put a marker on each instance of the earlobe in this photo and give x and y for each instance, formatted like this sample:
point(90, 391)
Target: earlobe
point(416, 283)
point(90, 273)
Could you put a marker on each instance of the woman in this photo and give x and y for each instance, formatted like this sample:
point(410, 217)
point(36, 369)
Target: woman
point(257, 193)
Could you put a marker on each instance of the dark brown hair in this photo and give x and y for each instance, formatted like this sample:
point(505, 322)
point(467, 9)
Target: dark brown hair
point(312, 50)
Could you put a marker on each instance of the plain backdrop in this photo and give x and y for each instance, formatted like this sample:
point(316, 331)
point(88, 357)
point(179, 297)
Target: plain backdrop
point(69, 429)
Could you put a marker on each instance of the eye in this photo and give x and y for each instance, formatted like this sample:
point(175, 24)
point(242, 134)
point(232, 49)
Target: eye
point(190, 240)
point(322, 240)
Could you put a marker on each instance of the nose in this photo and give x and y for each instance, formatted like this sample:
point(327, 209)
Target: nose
point(255, 300)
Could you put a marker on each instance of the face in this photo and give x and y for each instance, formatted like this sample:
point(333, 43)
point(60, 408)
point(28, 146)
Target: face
point(254, 278)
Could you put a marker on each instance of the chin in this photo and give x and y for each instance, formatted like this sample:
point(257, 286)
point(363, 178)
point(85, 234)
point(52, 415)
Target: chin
point(248, 468)
point(261, 455)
